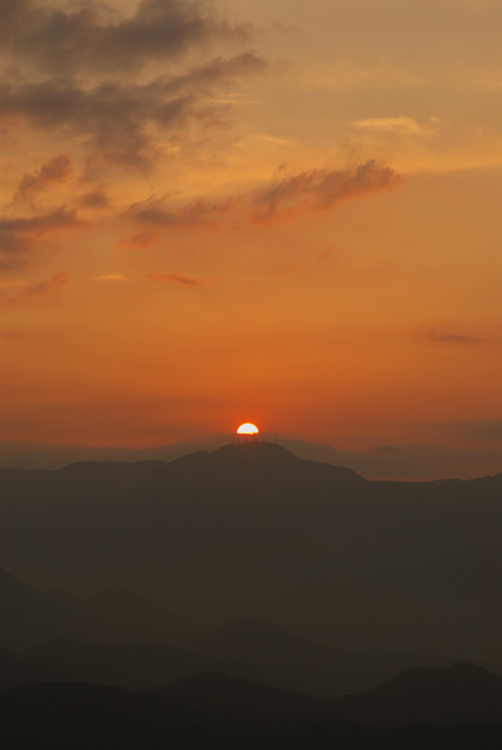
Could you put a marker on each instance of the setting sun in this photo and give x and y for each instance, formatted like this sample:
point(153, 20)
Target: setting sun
point(248, 429)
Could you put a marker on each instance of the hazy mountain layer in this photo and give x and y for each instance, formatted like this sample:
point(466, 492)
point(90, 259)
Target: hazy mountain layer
point(250, 530)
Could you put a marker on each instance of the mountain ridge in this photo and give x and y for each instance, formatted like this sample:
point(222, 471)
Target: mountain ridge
point(219, 536)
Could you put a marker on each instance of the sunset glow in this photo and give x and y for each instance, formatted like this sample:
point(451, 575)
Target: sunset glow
point(292, 207)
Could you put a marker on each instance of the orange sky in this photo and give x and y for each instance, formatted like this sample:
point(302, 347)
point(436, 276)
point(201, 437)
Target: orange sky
point(275, 212)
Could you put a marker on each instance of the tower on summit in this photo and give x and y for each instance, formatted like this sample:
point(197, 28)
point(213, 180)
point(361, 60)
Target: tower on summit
point(247, 433)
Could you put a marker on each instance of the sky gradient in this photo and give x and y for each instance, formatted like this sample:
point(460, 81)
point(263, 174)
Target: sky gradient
point(272, 212)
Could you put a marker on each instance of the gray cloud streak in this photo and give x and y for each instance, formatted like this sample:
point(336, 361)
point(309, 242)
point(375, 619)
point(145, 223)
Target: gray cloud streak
point(18, 235)
point(115, 116)
point(65, 42)
point(285, 200)
point(58, 169)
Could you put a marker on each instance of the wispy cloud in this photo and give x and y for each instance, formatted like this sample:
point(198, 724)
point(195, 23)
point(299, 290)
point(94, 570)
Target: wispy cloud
point(173, 278)
point(438, 332)
point(319, 190)
point(392, 125)
point(283, 200)
point(110, 277)
point(57, 170)
point(139, 240)
point(18, 236)
point(51, 290)
point(97, 199)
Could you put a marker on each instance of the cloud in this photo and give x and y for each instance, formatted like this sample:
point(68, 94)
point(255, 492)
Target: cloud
point(116, 118)
point(392, 124)
point(110, 277)
point(139, 240)
point(58, 169)
point(319, 190)
point(284, 200)
point(97, 199)
point(64, 43)
point(329, 251)
point(199, 213)
point(173, 278)
point(19, 235)
point(50, 290)
point(431, 331)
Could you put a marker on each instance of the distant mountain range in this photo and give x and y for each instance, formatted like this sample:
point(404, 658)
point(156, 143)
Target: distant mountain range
point(112, 616)
point(251, 530)
point(118, 638)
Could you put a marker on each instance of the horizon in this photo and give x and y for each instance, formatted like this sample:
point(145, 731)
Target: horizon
point(381, 463)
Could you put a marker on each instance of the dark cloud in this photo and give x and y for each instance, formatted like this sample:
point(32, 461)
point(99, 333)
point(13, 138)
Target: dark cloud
point(200, 213)
point(284, 200)
point(456, 337)
point(139, 240)
point(58, 169)
point(385, 449)
point(97, 199)
point(51, 290)
point(18, 236)
point(320, 190)
point(115, 117)
point(66, 42)
point(173, 278)
point(431, 331)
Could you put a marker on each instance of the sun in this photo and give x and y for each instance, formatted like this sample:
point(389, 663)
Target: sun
point(248, 429)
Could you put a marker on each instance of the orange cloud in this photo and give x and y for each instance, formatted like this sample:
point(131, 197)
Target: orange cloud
point(285, 200)
point(18, 236)
point(139, 240)
point(199, 213)
point(431, 331)
point(50, 290)
point(97, 200)
point(173, 278)
point(328, 252)
point(319, 190)
point(56, 170)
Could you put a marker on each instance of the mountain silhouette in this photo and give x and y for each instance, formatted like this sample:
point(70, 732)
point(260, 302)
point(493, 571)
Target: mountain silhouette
point(207, 711)
point(252, 701)
point(252, 531)
point(458, 694)
point(111, 616)
point(314, 668)
point(250, 649)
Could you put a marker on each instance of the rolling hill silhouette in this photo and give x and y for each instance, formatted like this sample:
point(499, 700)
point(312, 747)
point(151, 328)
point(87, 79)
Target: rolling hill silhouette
point(458, 694)
point(214, 710)
point(251, 530)
point(249, 648)
point(112, 616)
